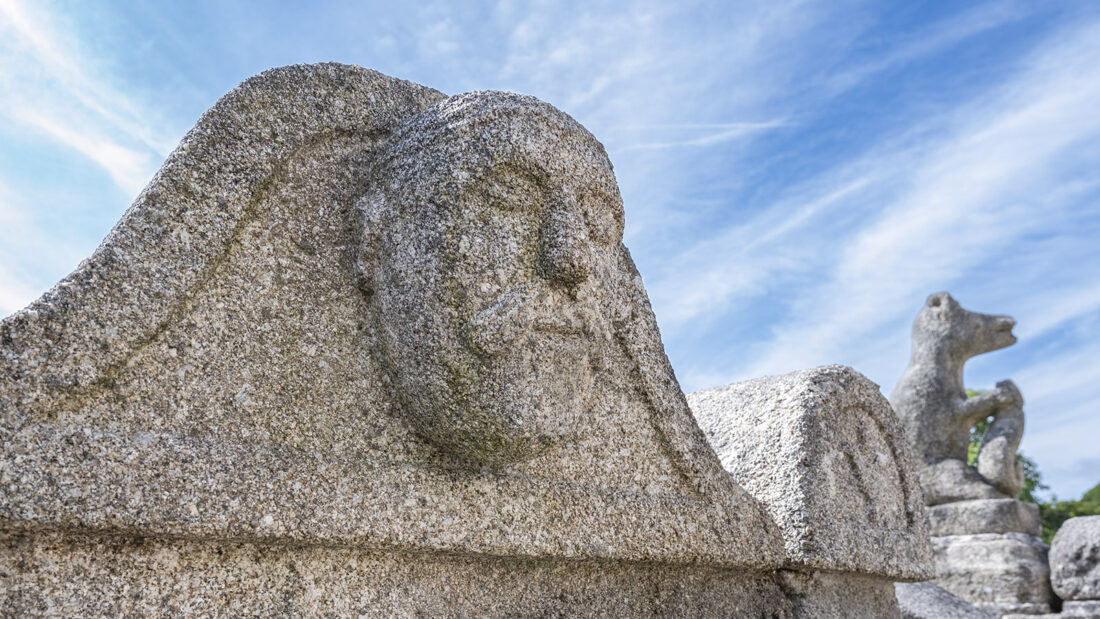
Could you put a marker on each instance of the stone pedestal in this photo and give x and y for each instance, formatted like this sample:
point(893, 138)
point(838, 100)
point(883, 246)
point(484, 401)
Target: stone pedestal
point(988, 552)
point(984, 516)
point(1000, 572)
point(927, 600)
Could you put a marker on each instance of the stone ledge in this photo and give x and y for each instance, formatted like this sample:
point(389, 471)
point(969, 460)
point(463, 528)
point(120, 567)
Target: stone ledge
point(164, 486)
point(1081, 608)
point(927, 600)
point(58, 575)
point(984, 516)
point(1003, 573)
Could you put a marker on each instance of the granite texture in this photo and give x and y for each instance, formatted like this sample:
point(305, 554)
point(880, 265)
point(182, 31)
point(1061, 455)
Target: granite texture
point(985, 516)
point(937, 415)
point(823, 451)
point(1004, 573)
point(927, 600)
point(1075, 559)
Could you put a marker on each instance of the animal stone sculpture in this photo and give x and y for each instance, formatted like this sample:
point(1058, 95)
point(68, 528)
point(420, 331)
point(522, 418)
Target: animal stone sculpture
point(363, 348)
point(985, 541)
point(937, 415)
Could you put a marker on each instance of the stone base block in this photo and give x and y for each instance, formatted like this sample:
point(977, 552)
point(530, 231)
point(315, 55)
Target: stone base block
point(927, 600)
point(1004, 573)
point(825, 594)
point(984, 516)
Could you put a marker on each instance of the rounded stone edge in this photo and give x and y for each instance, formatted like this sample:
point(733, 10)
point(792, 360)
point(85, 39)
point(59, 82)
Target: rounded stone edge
point(165, 245)
point(1065, 549)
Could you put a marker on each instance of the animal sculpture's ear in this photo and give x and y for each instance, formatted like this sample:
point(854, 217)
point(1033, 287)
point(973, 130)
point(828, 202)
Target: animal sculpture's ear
point(937, 299)
point(369, 208)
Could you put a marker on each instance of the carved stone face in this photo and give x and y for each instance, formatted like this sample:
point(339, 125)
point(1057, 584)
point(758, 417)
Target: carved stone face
point(492, 277)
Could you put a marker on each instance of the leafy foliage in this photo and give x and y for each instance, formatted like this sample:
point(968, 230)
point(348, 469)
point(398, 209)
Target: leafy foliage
point(1054, 512)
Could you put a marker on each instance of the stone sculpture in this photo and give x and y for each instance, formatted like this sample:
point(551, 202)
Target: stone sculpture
point(937, 415)
point(986, 542)
point(361, 348)
point(1075, 566)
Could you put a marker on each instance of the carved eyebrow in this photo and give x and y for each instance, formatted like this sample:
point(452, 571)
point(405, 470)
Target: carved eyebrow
point(588, 195)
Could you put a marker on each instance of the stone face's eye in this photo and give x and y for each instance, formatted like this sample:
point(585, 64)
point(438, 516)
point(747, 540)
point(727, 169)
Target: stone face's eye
point(509, 188)
point(604, 220)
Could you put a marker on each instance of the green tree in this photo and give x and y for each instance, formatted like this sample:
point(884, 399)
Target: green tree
point(1054, 513)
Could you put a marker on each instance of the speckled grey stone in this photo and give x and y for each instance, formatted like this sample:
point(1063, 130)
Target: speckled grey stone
point(927, 600)
point(1075, 559)
point(1003, 573)
point(360, 347)
point(985, 516)
point(823, 451)
point(937, 416)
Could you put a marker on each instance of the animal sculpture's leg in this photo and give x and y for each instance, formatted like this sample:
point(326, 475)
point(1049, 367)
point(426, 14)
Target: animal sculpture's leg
point(997, 458)
point(952, 480)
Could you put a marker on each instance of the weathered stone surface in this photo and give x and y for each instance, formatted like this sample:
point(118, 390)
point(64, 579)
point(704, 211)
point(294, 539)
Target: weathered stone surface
point(937, 415)
point(823, 451)
point(1003, 573)
point(927, 600)
point(1075, 559)
point(985, 516)
point(1085, 609)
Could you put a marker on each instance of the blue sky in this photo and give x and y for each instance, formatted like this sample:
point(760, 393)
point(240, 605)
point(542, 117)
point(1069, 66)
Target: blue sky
point(798, 176)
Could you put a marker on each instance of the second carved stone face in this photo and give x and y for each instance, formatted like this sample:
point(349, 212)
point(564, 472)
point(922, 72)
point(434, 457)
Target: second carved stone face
point(493, 321)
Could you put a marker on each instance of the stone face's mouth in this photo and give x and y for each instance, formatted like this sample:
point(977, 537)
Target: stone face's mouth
point(1002, 331)
point(517, 313)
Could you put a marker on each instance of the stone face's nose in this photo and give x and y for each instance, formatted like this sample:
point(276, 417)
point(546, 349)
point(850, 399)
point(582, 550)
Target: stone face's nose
point(566, 250)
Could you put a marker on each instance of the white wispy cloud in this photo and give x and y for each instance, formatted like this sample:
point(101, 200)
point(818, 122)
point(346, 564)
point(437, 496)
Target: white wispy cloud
point(966, 198)
point(956, 201)
point(129, 168)
point(930, 41)
point(49, 85)
point(709, 134)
